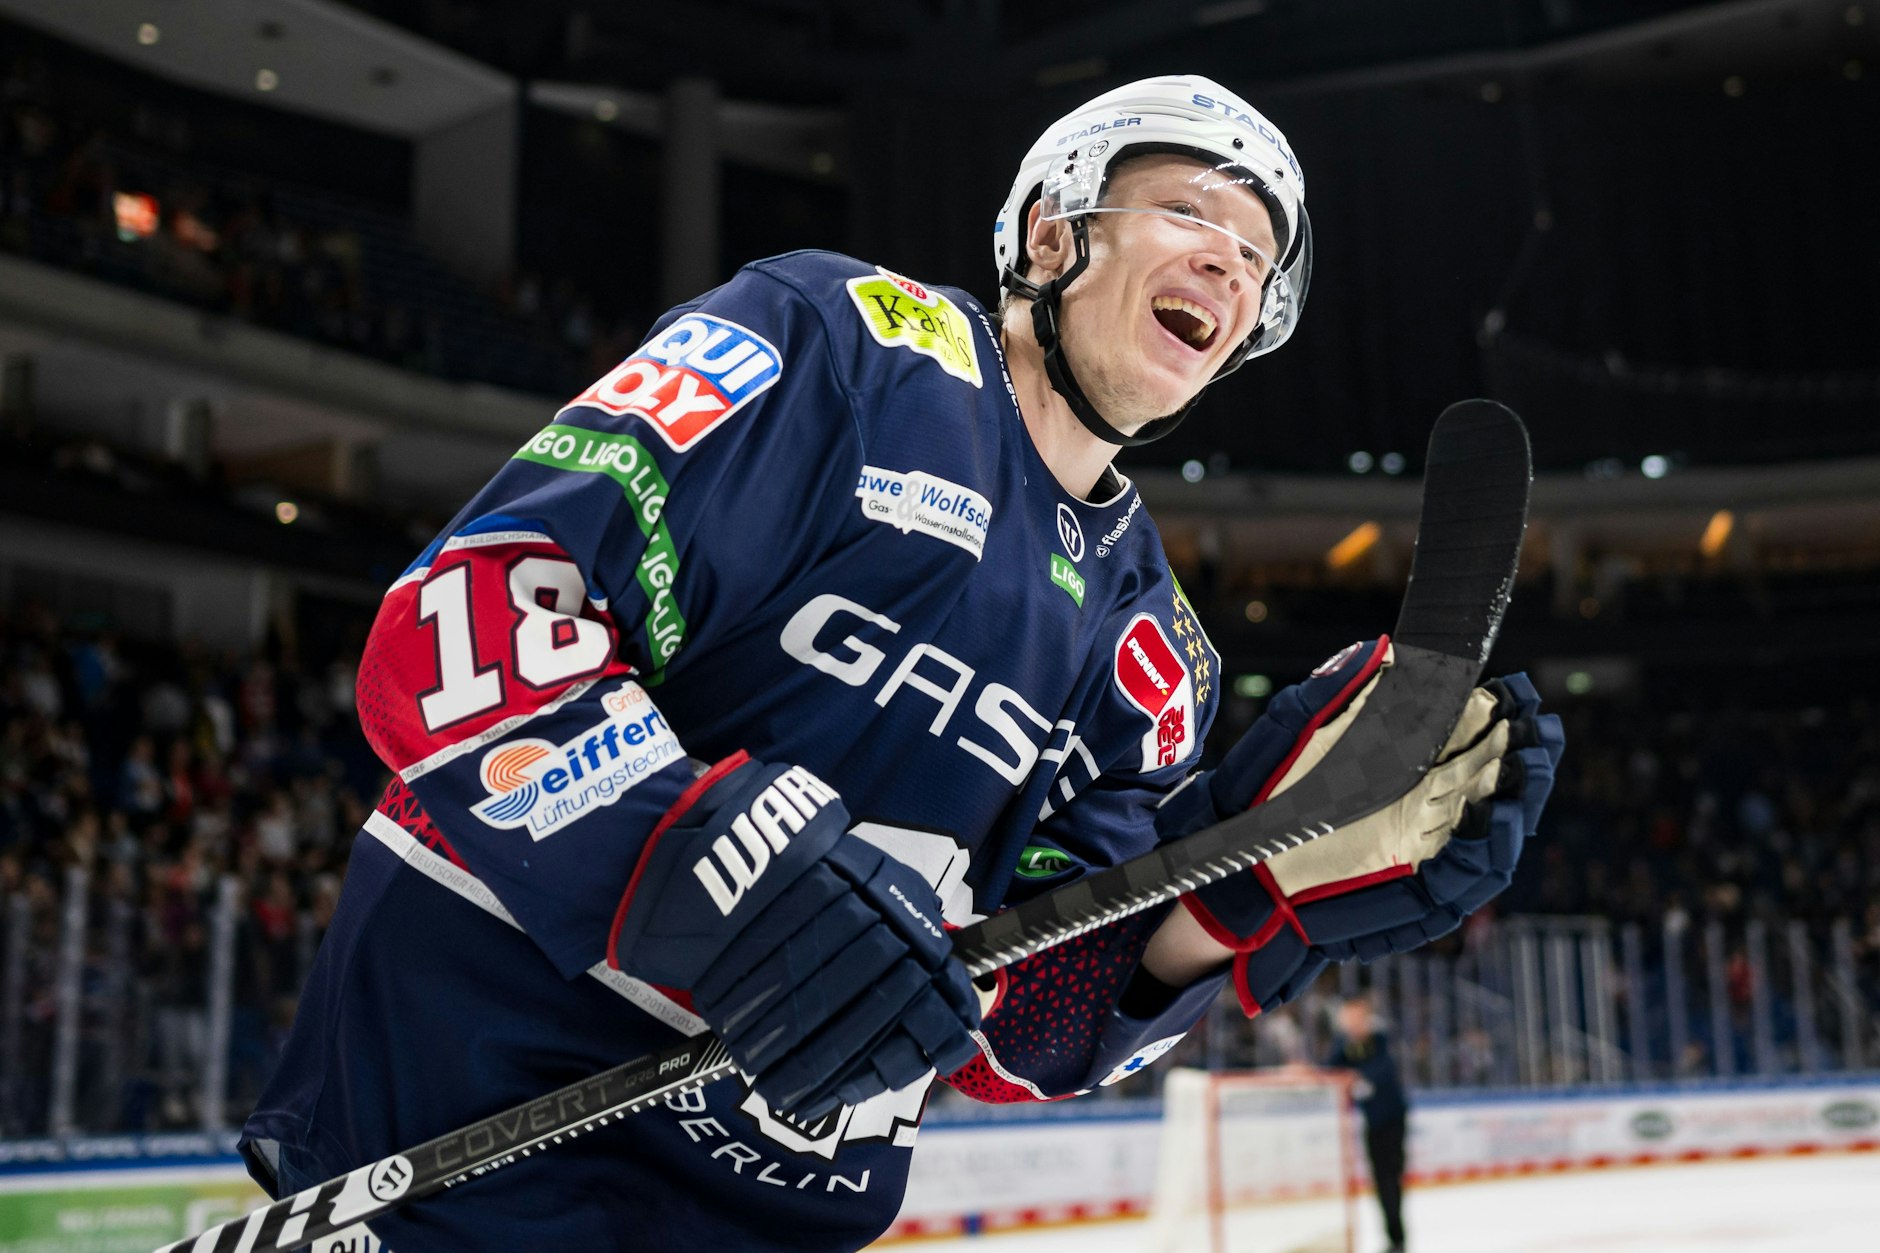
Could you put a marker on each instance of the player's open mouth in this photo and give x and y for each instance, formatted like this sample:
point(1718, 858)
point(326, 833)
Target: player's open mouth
point(1185, 320)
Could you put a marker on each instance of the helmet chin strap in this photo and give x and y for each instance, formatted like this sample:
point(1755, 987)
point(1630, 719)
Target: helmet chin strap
point(1044, 324)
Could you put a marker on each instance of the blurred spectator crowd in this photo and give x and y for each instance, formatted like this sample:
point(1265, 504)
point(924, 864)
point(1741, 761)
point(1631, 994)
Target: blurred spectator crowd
point(158, 773)
point(1730, 813)
point(129, 209)
point(166, 774)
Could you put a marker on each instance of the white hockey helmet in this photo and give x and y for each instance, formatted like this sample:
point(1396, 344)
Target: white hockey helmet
point(1186, 114)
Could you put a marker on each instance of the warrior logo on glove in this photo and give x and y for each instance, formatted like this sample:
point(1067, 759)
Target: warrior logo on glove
point(790, 802)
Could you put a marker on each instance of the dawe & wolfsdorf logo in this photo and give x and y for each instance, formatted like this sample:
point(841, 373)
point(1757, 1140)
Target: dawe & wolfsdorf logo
point(914, 500)
point(544, 786)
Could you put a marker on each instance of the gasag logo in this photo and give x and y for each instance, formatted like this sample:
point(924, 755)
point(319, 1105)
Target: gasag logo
point(688, 379)
point(1150, 674)
point(901, 313)
point(545, 786)
point(918, 501)
point(1070, 532)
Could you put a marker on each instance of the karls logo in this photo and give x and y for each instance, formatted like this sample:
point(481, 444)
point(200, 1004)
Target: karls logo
point(544, 787)
point(917, 501)
point(1150, 674)
point(1070, 532)
point(764, 827)
point(695, 374)
point(1116, 532)
point(900, 313)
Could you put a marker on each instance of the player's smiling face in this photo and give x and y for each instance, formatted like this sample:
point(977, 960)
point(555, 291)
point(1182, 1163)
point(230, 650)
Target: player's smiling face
point(1167, 297)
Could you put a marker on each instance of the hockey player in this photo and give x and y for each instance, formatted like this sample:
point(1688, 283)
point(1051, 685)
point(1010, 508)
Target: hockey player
point(818, 624)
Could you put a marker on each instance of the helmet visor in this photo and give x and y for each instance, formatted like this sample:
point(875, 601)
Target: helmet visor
point(1228, 203)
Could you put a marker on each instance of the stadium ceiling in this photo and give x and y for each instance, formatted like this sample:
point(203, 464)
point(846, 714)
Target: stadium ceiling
point(925, 52)
point(307, 56)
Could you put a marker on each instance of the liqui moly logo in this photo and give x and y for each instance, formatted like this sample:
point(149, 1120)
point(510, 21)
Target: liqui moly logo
point(544, 786)
point(688, 378)
point(1150, 674)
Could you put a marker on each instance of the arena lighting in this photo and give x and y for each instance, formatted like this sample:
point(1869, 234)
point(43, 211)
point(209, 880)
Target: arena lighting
point(1717, 533)
point(1252, 686)
point(1655, 466)
point(1360, 462)
point(1579, 683)
point(1192, 471)
point(266, 80)
point(1391, 463)
point(605, 110)
point(1256, 611)
point(136, 213)
point(148, 34)
point(1353, 546)
point(285, 512)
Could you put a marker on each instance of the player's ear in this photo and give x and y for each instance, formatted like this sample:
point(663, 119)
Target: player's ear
point(1047, 244)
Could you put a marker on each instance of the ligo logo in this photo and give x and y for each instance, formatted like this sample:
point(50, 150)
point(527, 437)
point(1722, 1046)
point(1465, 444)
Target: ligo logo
point(688, 379)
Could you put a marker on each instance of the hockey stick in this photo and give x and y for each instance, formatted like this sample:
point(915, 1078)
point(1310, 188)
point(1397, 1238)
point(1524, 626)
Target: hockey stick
point(1475, 491)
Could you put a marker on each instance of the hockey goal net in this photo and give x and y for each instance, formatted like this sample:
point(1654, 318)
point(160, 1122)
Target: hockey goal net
point(1255, 1162)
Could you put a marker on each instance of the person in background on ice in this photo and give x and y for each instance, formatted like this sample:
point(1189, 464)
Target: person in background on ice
point(819, 624)
point(1359, 1045)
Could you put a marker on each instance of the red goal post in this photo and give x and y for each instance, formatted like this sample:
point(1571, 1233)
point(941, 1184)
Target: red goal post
point(1256, 1161)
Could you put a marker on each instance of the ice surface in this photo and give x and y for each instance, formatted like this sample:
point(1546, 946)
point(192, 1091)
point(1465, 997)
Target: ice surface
point(1828, 1204)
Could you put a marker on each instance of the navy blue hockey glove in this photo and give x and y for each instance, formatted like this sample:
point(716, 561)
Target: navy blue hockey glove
point(818, 959)
point(1395, 879)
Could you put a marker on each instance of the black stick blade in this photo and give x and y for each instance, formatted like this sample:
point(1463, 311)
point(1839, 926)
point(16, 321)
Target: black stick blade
point(1475, 496)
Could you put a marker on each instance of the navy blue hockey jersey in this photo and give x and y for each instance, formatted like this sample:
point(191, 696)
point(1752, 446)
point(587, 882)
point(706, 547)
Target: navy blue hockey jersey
point(804, 519)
